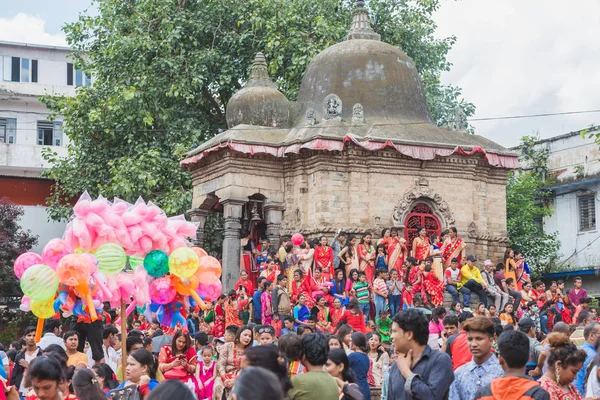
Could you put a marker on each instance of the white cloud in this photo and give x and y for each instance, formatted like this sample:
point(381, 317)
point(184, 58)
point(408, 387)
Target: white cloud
point(516, 57)
point(29, 29)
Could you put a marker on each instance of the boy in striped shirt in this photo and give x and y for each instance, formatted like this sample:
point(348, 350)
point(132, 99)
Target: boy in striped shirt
point(362, 294)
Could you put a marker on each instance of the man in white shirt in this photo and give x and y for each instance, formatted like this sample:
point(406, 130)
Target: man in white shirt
point(109, 339)
point(52, 334)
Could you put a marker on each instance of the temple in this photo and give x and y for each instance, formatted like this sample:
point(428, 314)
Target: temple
point(357, 151)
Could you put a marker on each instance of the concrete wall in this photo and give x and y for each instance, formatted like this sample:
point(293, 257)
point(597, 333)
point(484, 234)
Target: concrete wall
point(35, 219)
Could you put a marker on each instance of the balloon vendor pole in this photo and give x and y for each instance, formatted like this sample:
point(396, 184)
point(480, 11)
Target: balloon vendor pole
point(123, 336)
point(39, 329)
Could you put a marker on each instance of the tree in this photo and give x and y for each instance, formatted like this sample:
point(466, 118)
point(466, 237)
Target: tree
point(163, 72)
point(13, 242)
point(525, 204)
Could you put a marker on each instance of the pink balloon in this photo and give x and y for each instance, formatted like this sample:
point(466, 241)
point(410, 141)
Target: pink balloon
point(297, 239)
point(25, 261)
point(210, 292)
point(92, 260)
point(161, 291)
point(54, 251)
point(25, 304)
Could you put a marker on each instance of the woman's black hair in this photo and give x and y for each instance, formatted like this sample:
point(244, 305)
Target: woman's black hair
point(11, 354)
point(171, 389)
point(344, 330)
point(85, 387)
point(300, 272)
point(240, 331)
point(257, 383)
point(268, 357)
point(438, 312)
point(359, 340)
point(353, 304)
point(419, 229)
point(340, 286)
point(57, 349)
point(46, 368)
point(188, 342)
point(368, 336)
point(349, 246)
point(381, 246)
point(352, 271)
point(362, 240)
point(339, 356)
point(145, 359)
point(106, 373)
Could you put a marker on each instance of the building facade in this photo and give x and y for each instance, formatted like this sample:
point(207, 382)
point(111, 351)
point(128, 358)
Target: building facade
point(574, 167)
point(27, 72)
point(357, 151)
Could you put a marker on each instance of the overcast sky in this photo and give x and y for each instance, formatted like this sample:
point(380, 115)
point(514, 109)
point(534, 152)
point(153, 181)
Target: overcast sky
point(512, 57)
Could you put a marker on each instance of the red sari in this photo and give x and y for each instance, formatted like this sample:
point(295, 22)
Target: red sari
point(367, 252)
point(219, 327)
point(231, 315)
point(323, 321)
point(166, 356)
point(435, 288)
point(270, 276)
point(421, 247)
point(247, 284)
point(336, 315)
point(302, 288)
point(321, 287)
point(324, 259)
point(397, 254)
point(454, 249)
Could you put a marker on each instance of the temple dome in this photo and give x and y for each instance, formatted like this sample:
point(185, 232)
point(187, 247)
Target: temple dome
point(259, 103)
point(362, 69)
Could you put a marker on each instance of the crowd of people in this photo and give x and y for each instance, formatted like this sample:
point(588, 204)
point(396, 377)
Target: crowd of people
point(346, 321)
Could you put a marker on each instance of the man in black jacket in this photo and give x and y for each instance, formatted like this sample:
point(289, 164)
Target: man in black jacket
point(23, 359)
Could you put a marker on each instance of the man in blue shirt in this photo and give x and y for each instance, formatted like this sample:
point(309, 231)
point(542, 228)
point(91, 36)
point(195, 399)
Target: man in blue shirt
point(430, 377)
point(256, 300)
point(591, 334)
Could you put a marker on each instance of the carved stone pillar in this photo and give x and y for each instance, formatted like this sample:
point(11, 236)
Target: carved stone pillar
point(273, 219)
point(199, 215)
point(232, 213)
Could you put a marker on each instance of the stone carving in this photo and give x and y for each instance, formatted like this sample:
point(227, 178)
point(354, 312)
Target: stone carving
point(332, 107)
point(474, 233)
point(358, 114)
point(419, 191)
point(310, 117)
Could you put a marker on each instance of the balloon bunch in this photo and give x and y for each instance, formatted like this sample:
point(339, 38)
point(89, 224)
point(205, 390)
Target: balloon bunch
point(76, 280)
point(139, 228)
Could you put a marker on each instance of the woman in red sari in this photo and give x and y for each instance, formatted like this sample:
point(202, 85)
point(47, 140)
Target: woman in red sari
point(248, 257)
point(270, 272)
point(179, 360)
point(386, 239)
point(231, 310)
point(397, 252)
point(336, 313)
point(300, 285)
point(219, 327)
point(321, 310)
point(420, 245)
point(453, 247)
point(366, 256)
point(433, 286)
point(245, 282)
point(324, 258)
point(320, 287)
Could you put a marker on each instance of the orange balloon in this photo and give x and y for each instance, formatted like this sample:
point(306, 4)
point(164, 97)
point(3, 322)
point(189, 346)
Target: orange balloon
point(187, 287)
point(207, 278)
point(73, 270)
point(209, 264)
point(200, 252)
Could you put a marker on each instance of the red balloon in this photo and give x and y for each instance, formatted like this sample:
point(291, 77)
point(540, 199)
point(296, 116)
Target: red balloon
point(297, 239)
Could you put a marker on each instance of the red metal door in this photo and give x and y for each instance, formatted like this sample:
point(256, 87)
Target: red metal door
point(420, 215)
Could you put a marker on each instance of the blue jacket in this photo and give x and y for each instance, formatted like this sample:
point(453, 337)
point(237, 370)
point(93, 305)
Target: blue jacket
point(256, 301)
point(580, 380)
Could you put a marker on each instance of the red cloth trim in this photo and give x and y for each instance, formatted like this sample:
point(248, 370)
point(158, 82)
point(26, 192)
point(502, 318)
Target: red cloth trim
point(417, 152)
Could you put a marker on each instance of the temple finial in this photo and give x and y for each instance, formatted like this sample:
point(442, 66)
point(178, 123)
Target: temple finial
point(259, 75)
point(361, 25)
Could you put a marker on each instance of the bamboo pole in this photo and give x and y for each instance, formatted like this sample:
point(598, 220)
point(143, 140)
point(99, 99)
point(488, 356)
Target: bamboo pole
point(123, 337)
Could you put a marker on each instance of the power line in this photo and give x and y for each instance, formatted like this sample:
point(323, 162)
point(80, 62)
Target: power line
point(533, 115)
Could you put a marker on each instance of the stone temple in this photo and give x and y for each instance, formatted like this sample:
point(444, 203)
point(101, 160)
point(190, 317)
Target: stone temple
point(357, 151)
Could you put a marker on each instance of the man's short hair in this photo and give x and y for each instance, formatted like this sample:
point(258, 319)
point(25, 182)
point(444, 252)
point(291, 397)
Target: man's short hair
point(288, 318)
point(132, 341)
point(513, 346)
point(109, 330)
point(454, 259)
point(577, 278)
point(51, 324)
point(315, 348)
point(562, 327)
point(412, 320)
point(201, 338)
point(589, 329)
point(585, 300)
point(479, 324)
point(583, 315)
point(281, 277)
point(303, 328)
point(233, 329)
point(465, 315)
point(451, 320)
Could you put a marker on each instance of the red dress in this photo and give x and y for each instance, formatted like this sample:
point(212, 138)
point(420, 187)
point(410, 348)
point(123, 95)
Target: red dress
point(302, 288)
point(433, 286)
point(356, 322)
point(324, 259)
point(166, 356)
point(247, 284)
point(367, 252)
point(219, 327)
point(336, 316)
point(421, 248)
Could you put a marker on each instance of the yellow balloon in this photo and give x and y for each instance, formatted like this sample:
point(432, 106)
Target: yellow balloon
point(43, 308)
point(183, 262)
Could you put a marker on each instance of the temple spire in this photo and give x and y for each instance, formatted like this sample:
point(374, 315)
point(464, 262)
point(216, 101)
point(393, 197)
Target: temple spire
point(361, 25)
point(259, 75)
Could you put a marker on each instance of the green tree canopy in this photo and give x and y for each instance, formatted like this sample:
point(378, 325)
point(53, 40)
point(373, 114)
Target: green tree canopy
point(163, 71)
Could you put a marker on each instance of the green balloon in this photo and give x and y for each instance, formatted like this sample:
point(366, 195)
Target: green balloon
point(111, 258)
point(157, 263)
point(39, 282)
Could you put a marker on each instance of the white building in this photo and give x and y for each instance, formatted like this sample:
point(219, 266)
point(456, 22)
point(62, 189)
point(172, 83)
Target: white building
point(27, 72)
point(575, 162)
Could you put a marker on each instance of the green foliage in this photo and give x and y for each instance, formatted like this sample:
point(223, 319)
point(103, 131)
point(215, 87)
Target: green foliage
point(163, 72)
point(13, 324)
point(13, 242)
point(525, 203)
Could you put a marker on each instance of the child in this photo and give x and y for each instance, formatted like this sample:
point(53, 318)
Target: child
point(382, 260)
point(266, 303)
point(371, 327)
point(206, 373)
point(362, 294)
point(266, 335)
point(394, 286)
point(277, 324)
point(384, 324)
point(380, 291)
point(407, 297)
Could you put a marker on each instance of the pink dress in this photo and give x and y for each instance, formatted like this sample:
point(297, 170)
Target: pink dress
point(204, 374)
point(267, 308)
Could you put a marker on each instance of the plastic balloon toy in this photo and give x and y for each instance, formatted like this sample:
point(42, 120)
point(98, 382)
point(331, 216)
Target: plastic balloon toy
point(39, 282)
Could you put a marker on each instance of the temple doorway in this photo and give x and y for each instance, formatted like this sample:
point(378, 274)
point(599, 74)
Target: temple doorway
point(420, 215)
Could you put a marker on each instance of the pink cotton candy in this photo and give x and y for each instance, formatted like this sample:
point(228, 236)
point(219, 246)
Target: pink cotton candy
point(93, 220)
point(187, 230)
point(119, 208)
point(99, 206)
point(146, 244)
point(125, 285)
point(80, 230)
point(82, 208)
point(25, 304)
point(160, 221)
point(131, 218)
point(135, 232)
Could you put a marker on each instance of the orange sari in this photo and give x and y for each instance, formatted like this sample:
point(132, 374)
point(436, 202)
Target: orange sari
point(421, 247)
point(367, 252)
point(510, 270)
point(397, 254)
point(453, 250)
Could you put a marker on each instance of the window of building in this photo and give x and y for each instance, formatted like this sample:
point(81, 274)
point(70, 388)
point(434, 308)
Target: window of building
point(49, 133)
point(8, 130)
point(17, 69)
point(587, 212)
point(77, 77)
